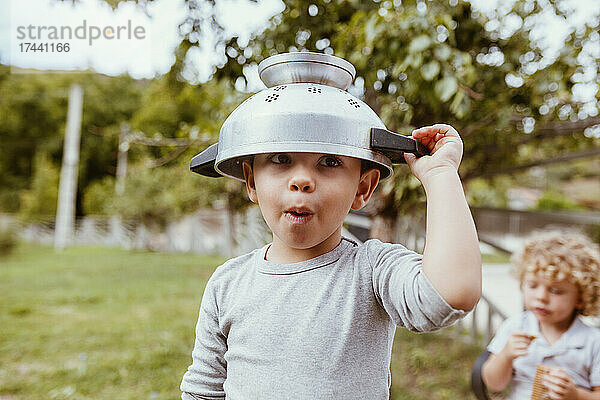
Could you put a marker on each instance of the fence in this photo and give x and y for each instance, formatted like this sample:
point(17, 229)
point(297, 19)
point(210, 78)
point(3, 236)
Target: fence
point(505, 229)
point(204, 232)
point(484, 320)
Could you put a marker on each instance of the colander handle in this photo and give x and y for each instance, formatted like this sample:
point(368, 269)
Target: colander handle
point(204, 163)
point(393, 145)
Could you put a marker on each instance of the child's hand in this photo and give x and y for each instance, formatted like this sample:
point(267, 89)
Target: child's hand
point(445, 146)
point(516, 345)
point(559, 384)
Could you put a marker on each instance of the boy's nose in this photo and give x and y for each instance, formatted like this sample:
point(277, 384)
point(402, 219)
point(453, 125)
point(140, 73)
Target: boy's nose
point(541, 294)
point(301, 183)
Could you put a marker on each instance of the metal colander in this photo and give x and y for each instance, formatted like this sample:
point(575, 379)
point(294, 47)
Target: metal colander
point(305, 108)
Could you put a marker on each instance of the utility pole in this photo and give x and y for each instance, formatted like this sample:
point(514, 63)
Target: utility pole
point(122, 159)
point(67, 190)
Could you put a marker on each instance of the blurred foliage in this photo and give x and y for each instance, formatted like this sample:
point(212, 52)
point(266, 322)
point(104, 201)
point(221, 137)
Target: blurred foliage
point(161, 191)
point(40, 200)
point(170, 108)
point(33, 116)
point(488, 192)
point(159, 184)
point(593, 231)
point(552, 200)
point(418, 62)
point(98, 196)
point(8, 240)
point(158, 195)
point(422, 62)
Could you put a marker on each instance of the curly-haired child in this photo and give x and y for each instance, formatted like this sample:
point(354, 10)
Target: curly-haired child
point(559, 273)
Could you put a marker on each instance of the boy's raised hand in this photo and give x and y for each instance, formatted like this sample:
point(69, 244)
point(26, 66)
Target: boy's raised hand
point(445, 146)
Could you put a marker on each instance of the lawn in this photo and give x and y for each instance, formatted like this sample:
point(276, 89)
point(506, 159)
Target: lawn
point(95, 323)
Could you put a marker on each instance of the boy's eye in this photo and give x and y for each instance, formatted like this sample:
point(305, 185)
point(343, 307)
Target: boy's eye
point(280, 158)
point(330, 161)
point(530, 284)
point(555, 290)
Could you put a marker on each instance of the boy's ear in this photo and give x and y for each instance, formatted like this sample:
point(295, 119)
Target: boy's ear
point(249, 180)
point(368, 182)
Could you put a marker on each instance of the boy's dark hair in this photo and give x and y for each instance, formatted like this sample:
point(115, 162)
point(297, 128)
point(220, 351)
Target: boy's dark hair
point(366, 165)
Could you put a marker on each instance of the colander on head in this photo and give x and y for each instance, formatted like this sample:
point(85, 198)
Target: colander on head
point(305, 108)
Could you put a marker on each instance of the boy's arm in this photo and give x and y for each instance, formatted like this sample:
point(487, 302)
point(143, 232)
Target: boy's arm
point(451, 259)
point(497, 370)
point(585, 395)
point(205, 377)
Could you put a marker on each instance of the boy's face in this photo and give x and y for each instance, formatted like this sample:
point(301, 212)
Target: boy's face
point(552, 302)
point(304, 198)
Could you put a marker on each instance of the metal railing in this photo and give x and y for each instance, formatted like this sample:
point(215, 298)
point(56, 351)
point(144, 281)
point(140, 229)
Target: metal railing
point(490, 319)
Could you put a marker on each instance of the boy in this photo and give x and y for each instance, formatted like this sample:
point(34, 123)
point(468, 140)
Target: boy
point(313, 315)
point(559, 276)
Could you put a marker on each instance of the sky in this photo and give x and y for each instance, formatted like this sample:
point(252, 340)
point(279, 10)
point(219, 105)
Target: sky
point(107, 41)
point(148, 33)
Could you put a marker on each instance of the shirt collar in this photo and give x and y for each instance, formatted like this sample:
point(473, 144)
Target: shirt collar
point(271, 268)
point(576, 335)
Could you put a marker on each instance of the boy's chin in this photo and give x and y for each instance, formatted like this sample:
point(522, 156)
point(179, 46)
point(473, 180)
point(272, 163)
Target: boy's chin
point(308, 243)
point(301, 245)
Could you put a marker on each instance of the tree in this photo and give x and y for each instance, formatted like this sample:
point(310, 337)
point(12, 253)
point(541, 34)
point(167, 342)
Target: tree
point(170, 121)
point(41, 198)
point(417, 63)
point(159, 186)
point(423, 62)
point(33, 114)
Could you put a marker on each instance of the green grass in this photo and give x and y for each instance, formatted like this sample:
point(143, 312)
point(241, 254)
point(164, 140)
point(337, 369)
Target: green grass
point(90, 323)
point(431, 366)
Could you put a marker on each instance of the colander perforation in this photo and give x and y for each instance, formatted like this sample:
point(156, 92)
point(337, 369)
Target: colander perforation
point(272, 97)
point(314, 90)
point(354, 103)
point(278, 88)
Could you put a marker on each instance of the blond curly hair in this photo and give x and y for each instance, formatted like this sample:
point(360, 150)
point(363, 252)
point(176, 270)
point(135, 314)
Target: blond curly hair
point(564, 255)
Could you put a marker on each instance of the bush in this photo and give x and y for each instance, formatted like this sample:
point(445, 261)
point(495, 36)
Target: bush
point(593, 231)
point(8, 241)
point(556, 201)
point(39, 201)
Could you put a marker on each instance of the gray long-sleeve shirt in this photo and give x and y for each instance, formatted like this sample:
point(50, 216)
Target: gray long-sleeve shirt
point(318, 329)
